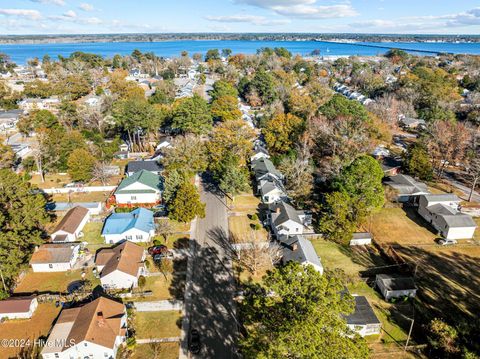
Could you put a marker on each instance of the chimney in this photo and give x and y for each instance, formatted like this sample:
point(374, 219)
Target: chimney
point(36, 249)
point(294, 246)
point(100, 318)
point(277, 210)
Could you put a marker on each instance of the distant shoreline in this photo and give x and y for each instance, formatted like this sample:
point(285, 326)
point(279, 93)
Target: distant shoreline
point(162, 37)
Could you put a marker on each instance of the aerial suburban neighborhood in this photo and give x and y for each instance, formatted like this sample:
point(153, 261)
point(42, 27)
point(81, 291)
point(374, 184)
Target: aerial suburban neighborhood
point(237, 204)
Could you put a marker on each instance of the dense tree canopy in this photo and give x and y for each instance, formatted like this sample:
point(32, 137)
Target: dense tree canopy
point(192, 115)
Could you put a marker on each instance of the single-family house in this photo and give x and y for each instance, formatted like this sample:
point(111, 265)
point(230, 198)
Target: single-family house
point(93, 330)
point(363, 320)
point(54, 257)
point(70, 227)
point(395, 286)
point(150, 166)
point(286, 220)
point(9, 119)
point(271, 191)
point(18, 307)
point(21, 150)
point(142, 188)
point(136, 226)
point(94, 208)
point(442, 212)
point(166, 142)
point(407, 187)
point(390, 166)
point(120, 266)
point(361, 239)
point(300, 250)
point(30, 104)
point(264, 168)
point(259, 152)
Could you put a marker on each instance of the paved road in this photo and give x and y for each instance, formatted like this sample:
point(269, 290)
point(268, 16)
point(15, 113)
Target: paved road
point(449, 176)
point(211, 307)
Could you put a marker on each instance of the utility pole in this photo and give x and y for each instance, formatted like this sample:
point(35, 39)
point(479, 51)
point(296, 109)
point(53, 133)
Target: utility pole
point(3, 281)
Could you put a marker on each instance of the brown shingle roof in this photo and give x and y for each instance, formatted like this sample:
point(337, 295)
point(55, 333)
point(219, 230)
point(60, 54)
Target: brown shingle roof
point(126, 257)
point(98, 322)
point(53, 253)
point(15, 305)
point(72, 220)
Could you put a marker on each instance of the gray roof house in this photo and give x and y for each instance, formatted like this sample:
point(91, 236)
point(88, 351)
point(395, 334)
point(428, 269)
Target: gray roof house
point(395, 286)
point(263, 168)
point(299, 249)
point(286, 220)
point(150, 166)
point(271, 191)
point(442, 211)
point(363, 320)
point(406, 186)
point(411, 123)
point(259, 152)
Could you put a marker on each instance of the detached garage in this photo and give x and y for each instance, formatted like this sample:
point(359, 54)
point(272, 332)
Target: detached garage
point(18, 307)
point(55, 257)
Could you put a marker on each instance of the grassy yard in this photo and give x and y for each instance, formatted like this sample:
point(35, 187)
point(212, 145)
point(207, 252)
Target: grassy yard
point(39, 325)
point(92, 233)
point(399, 226)
point(175, 240)
point(241, 228)
point(159, 286)
point(51, 180)
point(156, 350)
point(56, 282)
point(164, 324)
point(245, 202)
point(81, 197)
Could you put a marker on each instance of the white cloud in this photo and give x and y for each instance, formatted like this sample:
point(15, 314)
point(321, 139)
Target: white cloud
point(251, 19)
point(24, 13)
point(55, 2)
point(305, 9)
point(86, 7)
point(71, 14)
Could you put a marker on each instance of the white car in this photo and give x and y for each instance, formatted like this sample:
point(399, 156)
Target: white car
point(447, 242)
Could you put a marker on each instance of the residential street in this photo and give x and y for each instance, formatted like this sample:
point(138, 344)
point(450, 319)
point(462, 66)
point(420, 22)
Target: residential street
point(211, 308)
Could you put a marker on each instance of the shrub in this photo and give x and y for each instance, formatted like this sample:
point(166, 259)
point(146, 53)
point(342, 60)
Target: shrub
point(258, 226)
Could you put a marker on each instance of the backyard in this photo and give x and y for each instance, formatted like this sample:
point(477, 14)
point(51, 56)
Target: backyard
point(38, 326)
point(54, 282)
point(156, 350)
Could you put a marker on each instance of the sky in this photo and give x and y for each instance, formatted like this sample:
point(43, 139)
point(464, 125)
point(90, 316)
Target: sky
point(140, 16)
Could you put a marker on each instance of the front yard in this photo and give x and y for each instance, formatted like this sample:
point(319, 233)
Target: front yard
point(164, 324)
point(156, 350)
point(244, 202)
point(38, 326)
point(242, 228)
point(55, 282)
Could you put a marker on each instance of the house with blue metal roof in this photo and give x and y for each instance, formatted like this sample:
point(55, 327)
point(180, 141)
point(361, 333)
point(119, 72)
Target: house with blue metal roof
point(135, 226)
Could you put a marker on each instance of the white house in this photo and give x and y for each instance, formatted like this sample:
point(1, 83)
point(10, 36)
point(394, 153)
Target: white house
point(259, 152)
point(142, 187)
point(395, 286)
point(135, 226)
point(271, 191)
point(361, 239)
point(363, 320)
point(54, 257)
point(18, 307)
point(300, 250)
point(70, 227)
point(286, 220)
point(120, 266)
point(9, 119)
point(94, 330)
point(30, 104)
point(442, 212)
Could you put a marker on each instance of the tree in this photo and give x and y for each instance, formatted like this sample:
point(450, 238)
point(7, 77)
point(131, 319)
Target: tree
point(263, 84)
point(473, 162)
point(232, 177)
point(142, 281)
point(186, 205)
point(255, 255)
point(223, 88)
point(301, 105)
point(225, 108)
point(337, 222)
point(417, 162)
point(81, 165)
point(212, 54)
point(22, 220)
point(282, 131)
point(7, 156)
point(101, 172)
point(187, 156)
point(443, 337)
point(295, 312)
point(298, 174)
point(192, 115)
point(165, 229)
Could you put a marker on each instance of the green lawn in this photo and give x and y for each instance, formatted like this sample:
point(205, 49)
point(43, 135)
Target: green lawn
point(174, 240)
point(159, 286)
point(156, 350)
point(164, 324)
point(241, 228)
point(92, 233)
point(245, 203)
point(81, 197)
point(56, 282)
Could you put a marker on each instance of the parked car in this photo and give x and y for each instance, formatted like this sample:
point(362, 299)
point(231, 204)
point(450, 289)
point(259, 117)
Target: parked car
point(73, 184)
point(447, 242)
point(159, 257)
point(194, 342)
point(157, 250)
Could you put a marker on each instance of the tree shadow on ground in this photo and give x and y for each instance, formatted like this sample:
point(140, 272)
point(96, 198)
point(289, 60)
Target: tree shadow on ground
point(177, 285)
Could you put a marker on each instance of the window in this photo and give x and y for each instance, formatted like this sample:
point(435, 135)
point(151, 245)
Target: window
point(50, 265)
point(139, 236)
point(105, 355)
point(128, 238)
point(133, 198)
point(56, 355)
